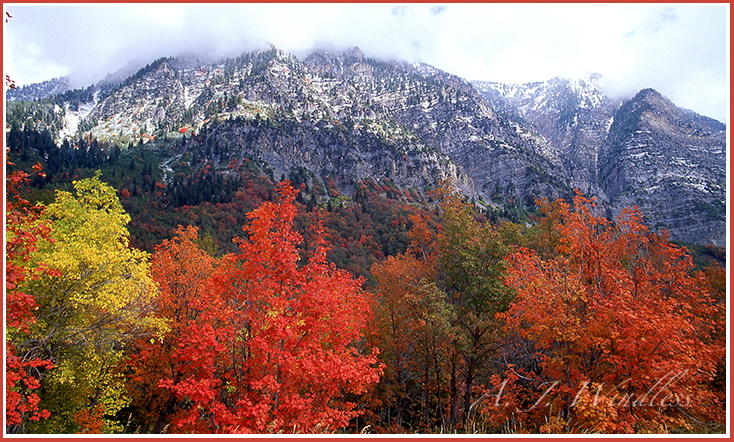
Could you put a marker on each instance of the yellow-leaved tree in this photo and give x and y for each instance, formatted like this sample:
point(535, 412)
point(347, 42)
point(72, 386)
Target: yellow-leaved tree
point(86, 316)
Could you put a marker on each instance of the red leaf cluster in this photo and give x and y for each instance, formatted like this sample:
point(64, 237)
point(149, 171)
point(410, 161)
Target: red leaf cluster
point(260, 342)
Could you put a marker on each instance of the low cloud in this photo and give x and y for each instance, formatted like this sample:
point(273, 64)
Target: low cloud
point(680, 50)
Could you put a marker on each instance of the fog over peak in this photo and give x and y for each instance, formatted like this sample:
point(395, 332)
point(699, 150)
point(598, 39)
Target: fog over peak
point(679, 50)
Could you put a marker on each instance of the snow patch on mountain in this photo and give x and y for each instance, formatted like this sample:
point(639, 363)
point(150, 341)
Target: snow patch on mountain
point(72, 118)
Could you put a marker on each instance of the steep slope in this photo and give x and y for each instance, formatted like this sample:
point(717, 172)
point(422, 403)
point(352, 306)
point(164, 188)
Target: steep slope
point(669, 162)
point(573, 115)
point(348, 117)
point(647, 152)
point(412, 123)
point(446, 113)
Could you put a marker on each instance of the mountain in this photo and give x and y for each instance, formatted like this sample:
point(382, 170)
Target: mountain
point(572, 114)
point(350, 117)
point(645, 152)
point(38, 91)
point(669, 162)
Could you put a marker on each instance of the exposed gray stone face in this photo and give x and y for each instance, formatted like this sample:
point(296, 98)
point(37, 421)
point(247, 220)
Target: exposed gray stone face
point(350, 116)
point(645, 152)
point(670, 163)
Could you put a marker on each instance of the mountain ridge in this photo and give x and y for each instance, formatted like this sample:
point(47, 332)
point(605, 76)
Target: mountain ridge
point(346, 114)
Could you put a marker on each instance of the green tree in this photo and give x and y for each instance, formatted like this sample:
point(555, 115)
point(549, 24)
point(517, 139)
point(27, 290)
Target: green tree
point(437, 314)
point(471, 265)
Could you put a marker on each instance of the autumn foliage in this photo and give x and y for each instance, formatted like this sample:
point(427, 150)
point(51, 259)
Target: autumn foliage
point(23, 231)
point(263, 343)
point(612, 333)
point(182, 271)
point(436, 318)
point(574, 324)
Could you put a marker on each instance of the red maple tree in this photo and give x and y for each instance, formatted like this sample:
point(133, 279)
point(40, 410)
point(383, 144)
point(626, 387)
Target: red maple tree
point(183, 272)
point(282, 350)
point(23, 231)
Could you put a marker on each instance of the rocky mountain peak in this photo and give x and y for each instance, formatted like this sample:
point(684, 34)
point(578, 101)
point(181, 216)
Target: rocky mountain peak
point(354, 53)
point(646, 100)
point(342, 114)
point(669, 162)
point(163, 68)
point(650, 109)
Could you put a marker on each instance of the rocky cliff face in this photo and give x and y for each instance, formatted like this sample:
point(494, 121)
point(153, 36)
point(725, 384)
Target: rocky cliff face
point(645, 152)
point(349, 116)
point(410, 122)
point(670, 163)
point(572, 115)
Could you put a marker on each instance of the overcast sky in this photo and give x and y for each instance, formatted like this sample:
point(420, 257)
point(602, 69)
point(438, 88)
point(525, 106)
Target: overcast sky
point(680, 50)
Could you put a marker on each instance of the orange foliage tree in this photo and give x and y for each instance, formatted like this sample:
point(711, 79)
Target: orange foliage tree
point(413, 321)
point(282, 351)
point(182, 271)
point(613, 330)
